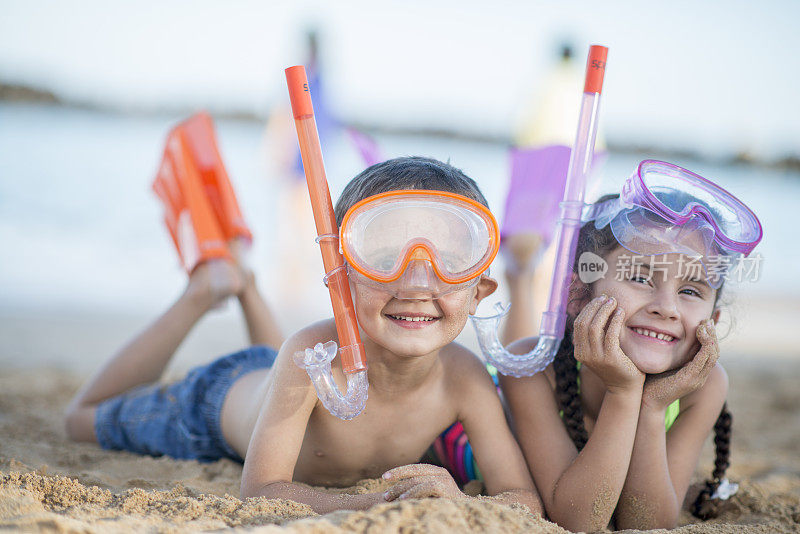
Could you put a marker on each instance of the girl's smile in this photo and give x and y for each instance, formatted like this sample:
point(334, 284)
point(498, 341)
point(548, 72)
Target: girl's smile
point(654, 335)
point(662, 309)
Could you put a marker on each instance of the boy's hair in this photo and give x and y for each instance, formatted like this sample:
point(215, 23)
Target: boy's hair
point(410, 172)
point(602, 242)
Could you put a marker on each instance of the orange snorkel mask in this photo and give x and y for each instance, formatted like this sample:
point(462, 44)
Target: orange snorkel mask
point(418, 243)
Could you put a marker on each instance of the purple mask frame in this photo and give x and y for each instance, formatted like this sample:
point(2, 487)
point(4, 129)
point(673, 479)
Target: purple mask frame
point(635, 191)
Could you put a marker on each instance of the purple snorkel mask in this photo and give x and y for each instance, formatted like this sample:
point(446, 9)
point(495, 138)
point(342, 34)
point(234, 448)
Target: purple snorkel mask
point(666, 209)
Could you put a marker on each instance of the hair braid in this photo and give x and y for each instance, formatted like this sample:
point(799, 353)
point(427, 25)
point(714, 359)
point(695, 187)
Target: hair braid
point(567, 393)
point(704, 506)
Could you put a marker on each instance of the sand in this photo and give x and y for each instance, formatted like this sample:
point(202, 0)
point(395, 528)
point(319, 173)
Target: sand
point(50, 484)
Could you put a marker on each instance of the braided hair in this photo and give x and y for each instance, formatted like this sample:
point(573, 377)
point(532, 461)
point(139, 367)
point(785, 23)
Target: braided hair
point(602, 242)
point(704, 506)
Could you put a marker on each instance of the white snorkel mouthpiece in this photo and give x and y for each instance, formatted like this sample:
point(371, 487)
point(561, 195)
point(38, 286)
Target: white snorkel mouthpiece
point(317, 363)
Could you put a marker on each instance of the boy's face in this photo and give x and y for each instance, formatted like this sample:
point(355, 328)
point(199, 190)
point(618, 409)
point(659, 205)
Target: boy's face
point(663, 301)
point(420, 326)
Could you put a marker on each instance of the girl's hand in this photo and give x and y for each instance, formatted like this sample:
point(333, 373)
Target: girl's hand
point(416, 481)
point(596, 341)
point(663, 389)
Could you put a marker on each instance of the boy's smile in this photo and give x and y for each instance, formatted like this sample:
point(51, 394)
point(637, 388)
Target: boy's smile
point(415, 327)
point(412, 320)
point(409, 327)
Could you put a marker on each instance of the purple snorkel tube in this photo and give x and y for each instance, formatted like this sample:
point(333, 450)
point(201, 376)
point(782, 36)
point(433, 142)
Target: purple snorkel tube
point(554, 319)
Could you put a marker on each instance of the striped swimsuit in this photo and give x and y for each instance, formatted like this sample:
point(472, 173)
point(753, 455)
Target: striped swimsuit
point(452, 449)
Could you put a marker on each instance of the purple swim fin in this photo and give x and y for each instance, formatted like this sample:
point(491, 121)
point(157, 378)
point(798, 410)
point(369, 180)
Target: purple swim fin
point(366, 146)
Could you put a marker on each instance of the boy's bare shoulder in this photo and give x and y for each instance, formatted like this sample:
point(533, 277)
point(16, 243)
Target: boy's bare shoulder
point(468, 383)
point(319, 332)
point(463, 368)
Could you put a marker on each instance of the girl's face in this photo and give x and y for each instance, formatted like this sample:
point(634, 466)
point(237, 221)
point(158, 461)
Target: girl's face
point(664, 304)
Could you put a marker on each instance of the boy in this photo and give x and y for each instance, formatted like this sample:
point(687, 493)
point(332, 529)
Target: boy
point(259, 406)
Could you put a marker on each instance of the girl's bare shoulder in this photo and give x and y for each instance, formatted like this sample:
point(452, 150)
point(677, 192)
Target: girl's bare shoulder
point(546, 377)
point(713, 392)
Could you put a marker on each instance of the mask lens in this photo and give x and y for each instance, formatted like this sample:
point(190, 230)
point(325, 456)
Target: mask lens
point(683, 192)
point(418, 281)
point(644, 233)
point(380, 237)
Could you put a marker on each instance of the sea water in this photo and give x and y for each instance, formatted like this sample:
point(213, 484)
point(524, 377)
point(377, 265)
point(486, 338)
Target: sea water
point(81, 228)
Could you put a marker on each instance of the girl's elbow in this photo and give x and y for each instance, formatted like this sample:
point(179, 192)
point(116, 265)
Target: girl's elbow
point(647, 525)
point(530, 499)
point(667, 520)
point(537, 506)
point(575, 521)
point(588, 516)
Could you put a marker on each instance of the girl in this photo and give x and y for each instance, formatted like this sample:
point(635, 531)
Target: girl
point(614, 427)
point(635, 387)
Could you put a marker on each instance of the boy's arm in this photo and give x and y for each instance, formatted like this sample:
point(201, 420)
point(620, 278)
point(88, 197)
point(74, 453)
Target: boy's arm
point(499, 458)
point(497, 453)
point(662, 464)
point(278, 435)
point(579, 491)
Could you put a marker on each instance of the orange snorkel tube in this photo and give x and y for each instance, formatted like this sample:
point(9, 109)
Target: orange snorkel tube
point(317, 361)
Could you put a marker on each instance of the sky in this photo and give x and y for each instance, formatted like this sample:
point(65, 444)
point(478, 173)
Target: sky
point(716, 78)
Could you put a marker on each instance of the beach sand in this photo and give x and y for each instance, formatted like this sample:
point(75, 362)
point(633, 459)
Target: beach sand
point(50, 484)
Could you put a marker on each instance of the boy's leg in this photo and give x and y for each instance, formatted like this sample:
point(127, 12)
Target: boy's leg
point(144, 358)
point(262, 326)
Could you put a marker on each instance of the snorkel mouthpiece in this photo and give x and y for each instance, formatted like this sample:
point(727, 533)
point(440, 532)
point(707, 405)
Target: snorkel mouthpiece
point(554, 319)
point(317, 361)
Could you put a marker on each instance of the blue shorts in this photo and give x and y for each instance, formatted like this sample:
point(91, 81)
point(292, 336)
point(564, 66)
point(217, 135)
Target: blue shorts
point(181, 420)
